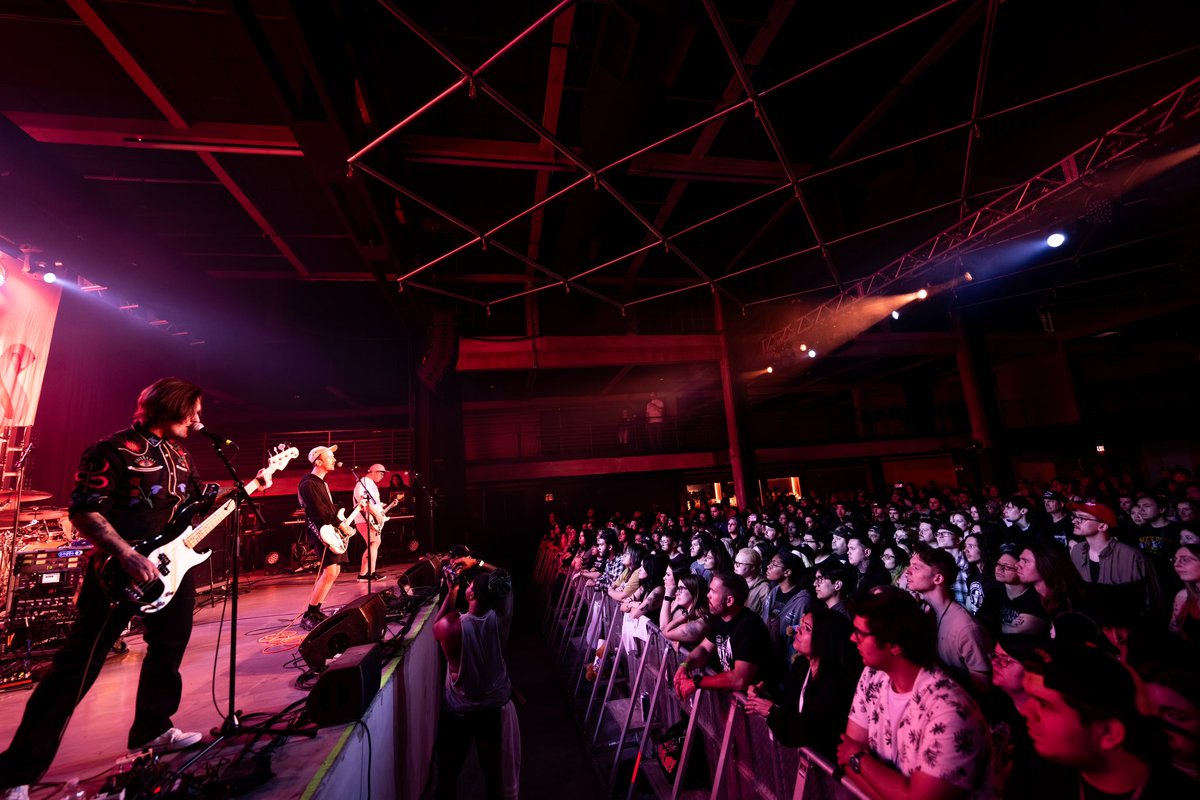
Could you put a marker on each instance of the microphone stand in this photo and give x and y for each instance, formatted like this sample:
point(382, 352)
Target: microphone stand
point(367, 518)
point(230, 725)
point(432, 505)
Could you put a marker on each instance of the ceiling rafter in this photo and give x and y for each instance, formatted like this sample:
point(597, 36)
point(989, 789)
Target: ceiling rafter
point(1119, 143)
point(753, 56)
point(137, 73)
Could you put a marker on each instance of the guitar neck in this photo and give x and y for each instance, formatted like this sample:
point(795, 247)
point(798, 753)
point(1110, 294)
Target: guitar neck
point(217, 517)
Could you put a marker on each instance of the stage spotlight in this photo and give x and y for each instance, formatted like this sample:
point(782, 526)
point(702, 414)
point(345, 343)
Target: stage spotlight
point(895, 315)
point(1055, 240)
point(812, 353)
point(922, 294)
point(770, 370)
point(968, 277)
point(803, 347)
point(49, 277)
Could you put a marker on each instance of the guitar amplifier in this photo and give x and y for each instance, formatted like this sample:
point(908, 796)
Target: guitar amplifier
point(47, 582)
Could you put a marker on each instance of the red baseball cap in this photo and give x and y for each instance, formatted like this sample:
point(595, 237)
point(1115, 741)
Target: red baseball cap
point(1098, 510)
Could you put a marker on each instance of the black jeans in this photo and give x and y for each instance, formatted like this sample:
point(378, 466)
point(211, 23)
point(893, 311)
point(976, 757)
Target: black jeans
point(456, 731)
point(77, 665)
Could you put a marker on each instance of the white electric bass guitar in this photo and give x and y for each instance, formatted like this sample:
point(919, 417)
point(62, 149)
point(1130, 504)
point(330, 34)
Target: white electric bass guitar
point(332, 535)
point(173, 550)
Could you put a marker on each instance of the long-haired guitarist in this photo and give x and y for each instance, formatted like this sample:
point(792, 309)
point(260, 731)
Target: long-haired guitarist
point(128, 488)
point(320, 511)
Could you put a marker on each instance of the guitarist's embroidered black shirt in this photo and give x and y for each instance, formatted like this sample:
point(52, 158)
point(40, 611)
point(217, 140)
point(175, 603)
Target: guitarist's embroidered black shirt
point(135, 480)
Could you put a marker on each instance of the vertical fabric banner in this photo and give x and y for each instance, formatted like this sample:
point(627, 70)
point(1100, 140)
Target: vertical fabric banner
point(28, 308)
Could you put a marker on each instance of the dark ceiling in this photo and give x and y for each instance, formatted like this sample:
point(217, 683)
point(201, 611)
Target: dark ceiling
point(605, 174)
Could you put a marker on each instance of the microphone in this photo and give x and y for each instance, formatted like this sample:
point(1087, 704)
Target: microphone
point(198, 427)
point(339, 465)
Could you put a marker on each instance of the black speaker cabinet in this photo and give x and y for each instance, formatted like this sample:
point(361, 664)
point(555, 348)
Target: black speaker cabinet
point(426, 573)
point(360, 621)
point(344, 691)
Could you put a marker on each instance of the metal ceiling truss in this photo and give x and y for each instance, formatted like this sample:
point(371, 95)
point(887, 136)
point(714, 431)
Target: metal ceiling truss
point(1117, 144)
point(472, 80)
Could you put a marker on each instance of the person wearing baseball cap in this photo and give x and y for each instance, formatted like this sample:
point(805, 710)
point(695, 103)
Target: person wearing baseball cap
point(370, 523)
point(319, 511)
point(1083, 714)
point(1119, 578)
point(1059, 524)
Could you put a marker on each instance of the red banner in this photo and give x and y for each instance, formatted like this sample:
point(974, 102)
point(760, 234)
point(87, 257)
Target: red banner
point(28, 308)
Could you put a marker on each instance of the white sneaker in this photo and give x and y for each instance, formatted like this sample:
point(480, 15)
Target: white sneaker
point(170, 740)
point(17, 793)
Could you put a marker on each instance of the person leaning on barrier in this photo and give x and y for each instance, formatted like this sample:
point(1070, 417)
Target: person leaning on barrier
point(683, 616)
point(913, 732)
point(738, 639)
point(819, 688)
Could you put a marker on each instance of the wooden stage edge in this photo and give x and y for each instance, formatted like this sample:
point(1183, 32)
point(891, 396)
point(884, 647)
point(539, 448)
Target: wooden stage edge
point(392, 755)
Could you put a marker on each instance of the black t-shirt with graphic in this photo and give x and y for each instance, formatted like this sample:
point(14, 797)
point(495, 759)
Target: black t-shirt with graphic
point(743, 638)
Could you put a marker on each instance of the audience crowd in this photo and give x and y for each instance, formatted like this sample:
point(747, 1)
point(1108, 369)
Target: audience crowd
point(937, 642)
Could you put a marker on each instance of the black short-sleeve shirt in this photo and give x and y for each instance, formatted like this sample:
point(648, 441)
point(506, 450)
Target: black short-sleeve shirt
point(743, 638)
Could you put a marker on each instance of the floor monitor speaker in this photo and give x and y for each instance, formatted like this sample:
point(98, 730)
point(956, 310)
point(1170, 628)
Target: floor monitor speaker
point(347, 687)
point(360, 621)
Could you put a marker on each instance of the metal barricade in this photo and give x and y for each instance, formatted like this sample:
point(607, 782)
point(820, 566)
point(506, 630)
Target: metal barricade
point(815, 780)
point(632, 697)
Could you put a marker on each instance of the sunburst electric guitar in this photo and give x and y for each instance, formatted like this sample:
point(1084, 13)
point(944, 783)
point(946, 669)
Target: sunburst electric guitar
point(173, 552)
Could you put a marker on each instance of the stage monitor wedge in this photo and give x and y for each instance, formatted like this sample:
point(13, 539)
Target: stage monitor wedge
point(344, 691)
point(360, 621)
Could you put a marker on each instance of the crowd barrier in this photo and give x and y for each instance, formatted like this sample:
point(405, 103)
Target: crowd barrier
point(628, 701)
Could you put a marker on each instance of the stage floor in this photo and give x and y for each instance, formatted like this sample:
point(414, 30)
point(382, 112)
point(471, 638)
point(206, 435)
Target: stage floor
point(269, 634)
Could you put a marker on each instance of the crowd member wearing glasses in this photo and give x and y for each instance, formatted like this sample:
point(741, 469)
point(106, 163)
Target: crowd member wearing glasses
point(787, 602)
point(1020, 771)
point(683, 616)
point(1118, 577)
point(1185, 614)
point(747, 562)
point(370, 522)
point(895, 561)
point(819, 688)
point(1013, 609)
point(1173, 693)
point(832, 584)
point(1083, 713)
point(913, 732)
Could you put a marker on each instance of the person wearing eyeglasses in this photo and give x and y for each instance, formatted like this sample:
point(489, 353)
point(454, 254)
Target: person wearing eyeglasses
point(1013, 609)
point(747, 562)
point(1119, 578)
point(913, 732)
point(1185, 611)
point(832, 583)
point(371, 521)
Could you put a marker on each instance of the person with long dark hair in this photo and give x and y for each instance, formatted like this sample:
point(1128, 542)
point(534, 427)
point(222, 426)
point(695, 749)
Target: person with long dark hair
point(128, 488)
point(1050, 572)
point(817, 695)
point(683, 616)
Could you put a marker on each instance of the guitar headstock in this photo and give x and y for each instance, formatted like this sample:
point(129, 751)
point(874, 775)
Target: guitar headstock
point(282, 454)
